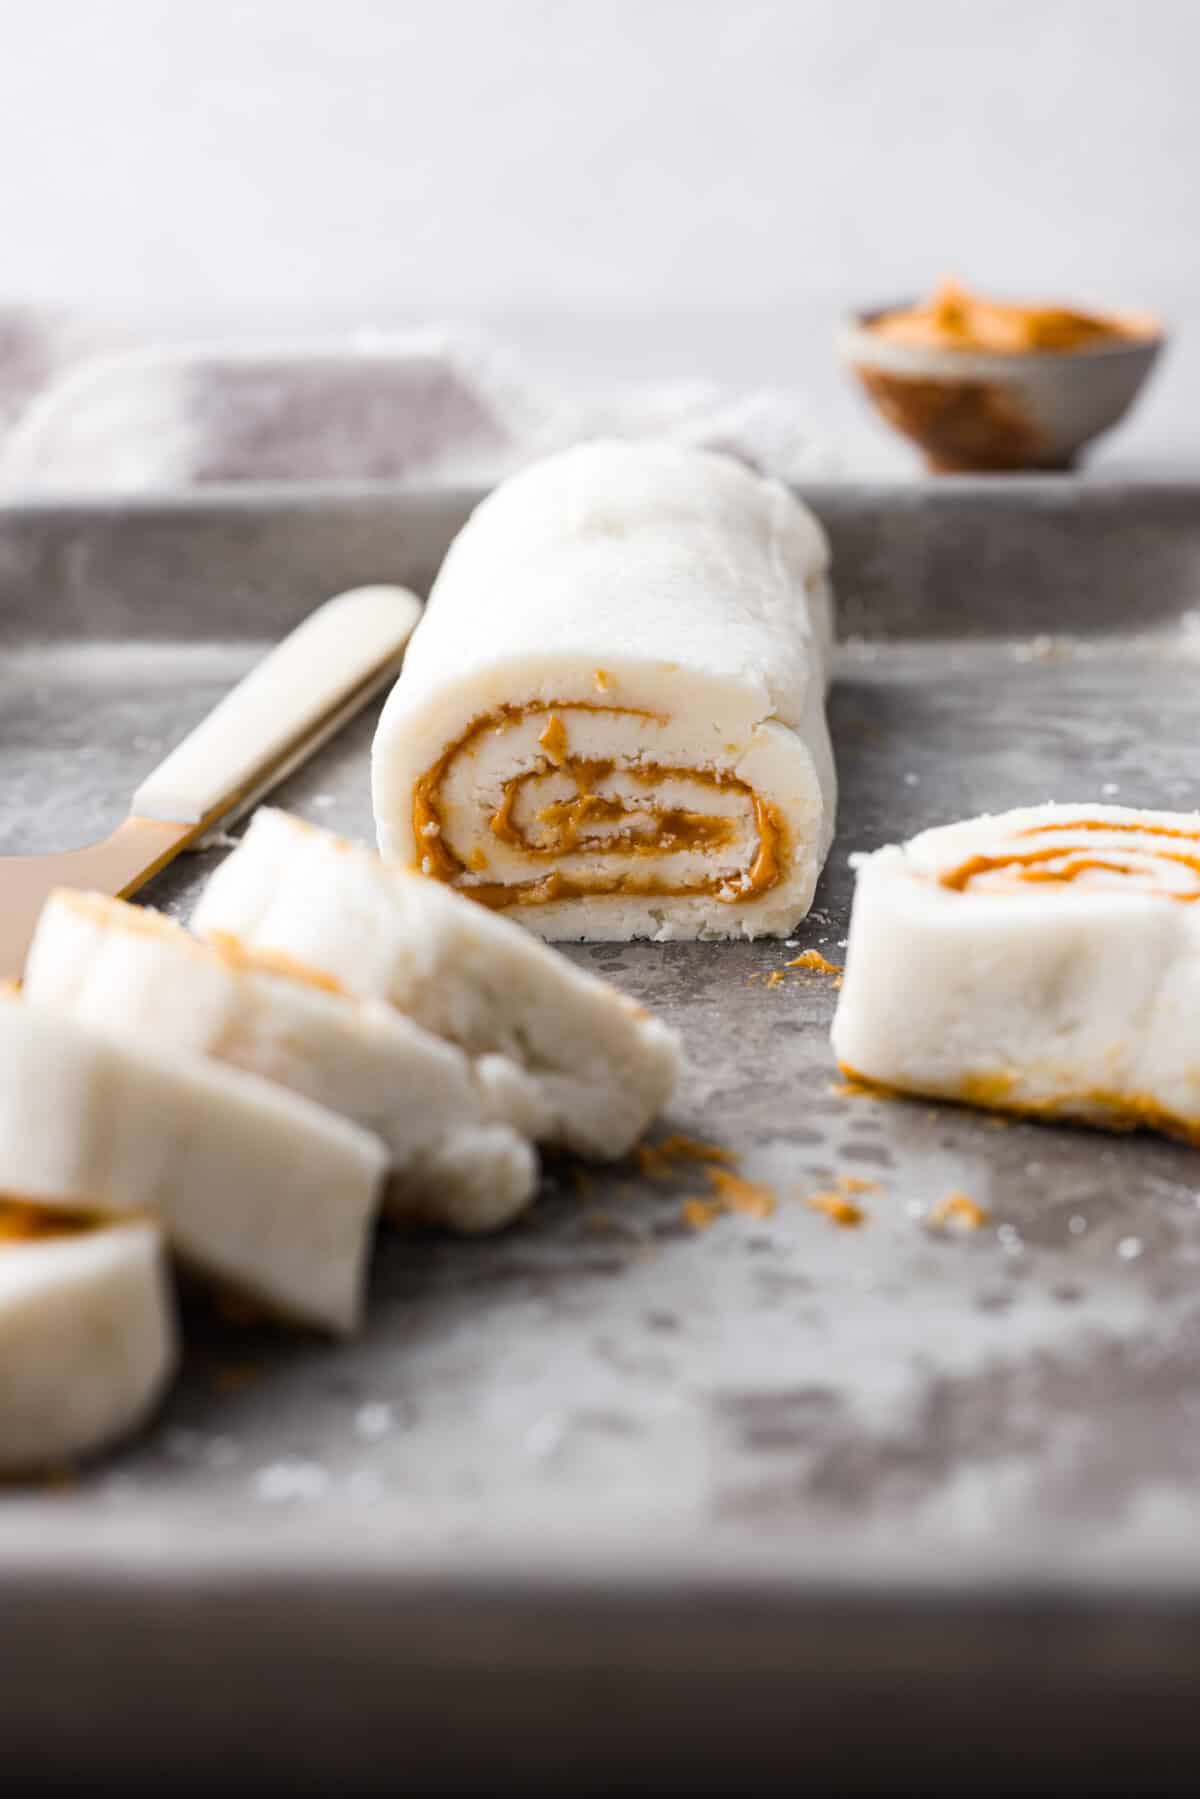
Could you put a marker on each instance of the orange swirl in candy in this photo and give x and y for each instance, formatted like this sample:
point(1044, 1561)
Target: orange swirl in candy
point(23, 1222)
point(627, 834)
point(1111, 855)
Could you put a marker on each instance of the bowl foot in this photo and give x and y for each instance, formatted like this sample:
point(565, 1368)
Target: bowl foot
point(952, 465)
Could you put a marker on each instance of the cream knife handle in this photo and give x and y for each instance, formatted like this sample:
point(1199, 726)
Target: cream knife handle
point(266, 721)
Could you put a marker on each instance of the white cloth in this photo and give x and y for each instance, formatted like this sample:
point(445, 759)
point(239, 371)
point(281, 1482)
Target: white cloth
point(432, 408)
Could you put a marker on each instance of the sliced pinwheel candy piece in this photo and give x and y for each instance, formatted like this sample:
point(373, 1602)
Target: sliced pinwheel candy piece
point(597, 1068)
point(446, 1121)
point(1044, 961)
point(87, 1334)
point(256, 1187)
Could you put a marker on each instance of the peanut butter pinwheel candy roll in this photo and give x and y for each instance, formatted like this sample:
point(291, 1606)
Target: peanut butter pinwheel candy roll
point(611, 720)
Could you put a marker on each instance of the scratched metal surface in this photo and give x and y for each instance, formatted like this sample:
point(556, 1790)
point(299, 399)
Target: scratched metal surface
point(604, 1394)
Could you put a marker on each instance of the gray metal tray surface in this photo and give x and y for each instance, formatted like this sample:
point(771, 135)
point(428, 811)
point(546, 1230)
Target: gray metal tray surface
point(606, 1489)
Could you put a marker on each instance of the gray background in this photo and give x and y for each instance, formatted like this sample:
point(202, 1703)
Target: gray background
point(645, 187)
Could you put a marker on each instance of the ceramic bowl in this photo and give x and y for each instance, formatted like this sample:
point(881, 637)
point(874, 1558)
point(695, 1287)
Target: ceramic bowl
point(986, 409)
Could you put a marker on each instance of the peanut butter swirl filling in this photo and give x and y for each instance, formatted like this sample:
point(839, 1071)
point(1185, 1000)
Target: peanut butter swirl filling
point(1152, 858)
point(628, 836)
point(22, 1221)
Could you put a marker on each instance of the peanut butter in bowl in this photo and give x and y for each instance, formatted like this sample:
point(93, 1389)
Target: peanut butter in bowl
point(992, 385)
point(953, 318)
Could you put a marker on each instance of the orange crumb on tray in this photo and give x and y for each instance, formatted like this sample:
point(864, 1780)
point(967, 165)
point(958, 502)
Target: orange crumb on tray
point(657, 1160)
point(815, 962)
point(960, 1210)
point(838, 1209)
point(737, 1194)
point(856, 1183)
point(602, 680)
point(698, 1214)
point(731, 1193)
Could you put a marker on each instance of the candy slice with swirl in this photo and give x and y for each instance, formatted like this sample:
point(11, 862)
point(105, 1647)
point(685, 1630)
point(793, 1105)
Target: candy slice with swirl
point(1044, 961)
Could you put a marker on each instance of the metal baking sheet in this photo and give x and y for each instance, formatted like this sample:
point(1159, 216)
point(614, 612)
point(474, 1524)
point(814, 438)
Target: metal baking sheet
point(725, 1484)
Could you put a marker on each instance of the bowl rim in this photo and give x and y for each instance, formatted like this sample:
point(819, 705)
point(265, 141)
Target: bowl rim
point(855, 334)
